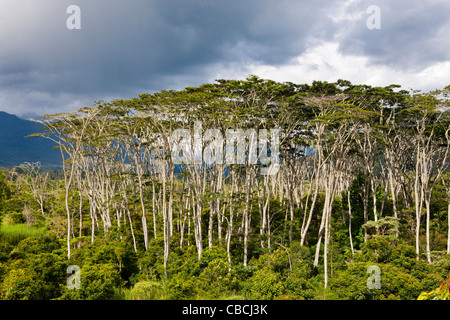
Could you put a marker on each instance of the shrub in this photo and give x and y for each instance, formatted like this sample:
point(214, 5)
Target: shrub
point(263, 285)
point(15, 206)
point(442, 266)
point(351, 284)
point(210, 254)
point(48, 272)
point(180, 288)
point(440, 293)
point(98, 282)
point(117, 253)
point(146, 290)
point(215, 280)
point(299, 288)
point(20, 284)
point(36, 245)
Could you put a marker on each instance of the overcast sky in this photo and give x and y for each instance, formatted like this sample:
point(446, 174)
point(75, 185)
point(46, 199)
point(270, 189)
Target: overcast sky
point(125, 48)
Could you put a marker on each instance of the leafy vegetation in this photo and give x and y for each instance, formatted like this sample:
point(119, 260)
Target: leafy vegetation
point(15, 232)
point(440, 293)
point(356, 181)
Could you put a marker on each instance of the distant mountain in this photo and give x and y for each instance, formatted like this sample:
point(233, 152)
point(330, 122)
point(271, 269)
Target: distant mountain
point(15, 148)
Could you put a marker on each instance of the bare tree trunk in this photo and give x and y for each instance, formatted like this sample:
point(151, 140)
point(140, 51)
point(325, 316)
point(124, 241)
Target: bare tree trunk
point(80, 211)
point(170, 213)
point(427, 229)
point(246, 216)
point(366, 208)
point(394, 197)
point(198, 227)
point(131, 228)
point(154, 208)
point(66, 202)
point(144, 216)
point(417, 204)
point(211, 224)
point(321, 228)
point(166, 223)
point(374, 198)
point(291, 222)
point(230, 222)
point(447, 189)
point(350, 219)
point(325, 247)
point(305, 228)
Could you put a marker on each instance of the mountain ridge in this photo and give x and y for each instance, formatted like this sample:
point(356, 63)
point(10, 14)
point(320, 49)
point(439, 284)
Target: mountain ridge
point(16, 147)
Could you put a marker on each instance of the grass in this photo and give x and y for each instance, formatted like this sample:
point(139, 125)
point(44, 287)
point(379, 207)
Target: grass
point(14, 233)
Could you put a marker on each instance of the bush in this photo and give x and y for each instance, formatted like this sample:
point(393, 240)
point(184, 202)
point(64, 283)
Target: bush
point(210, 254)
point(36, 245)
point(395, 283)
point(180, 288)
point(5, 249)
point(351, 284)
point(299, 288)
point(186, 263)
point(14, 206)
point(16, 217)
point(47, 272)
point(440, 293)
point(263, 285)
point(20, 284)
point(442, 266)
point(117, 253)
point(146, 290)
point(98, 282)
point(215, 281)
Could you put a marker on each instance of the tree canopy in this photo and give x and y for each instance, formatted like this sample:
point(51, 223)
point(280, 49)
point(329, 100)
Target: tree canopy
point(324, 180)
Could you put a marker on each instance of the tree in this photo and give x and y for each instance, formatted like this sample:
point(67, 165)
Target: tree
point(37, 181)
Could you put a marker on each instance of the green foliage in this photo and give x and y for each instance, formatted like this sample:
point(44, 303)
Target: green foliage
point(188, 263)
point(16, 218)
point(181, 288)
point(108, 251)
point(35, 270)
point(146, 290)
point(298, 288)
point(14, 206)
point(265, 284)
point(383, 226)
point(243, 273)
point(352, 284)
point(215, 280)
point(44, 243)
point(5, 192)
point(383, 249)
point(47, 271)
point(21, 284)
point(210, 254)
point(99, 281)
point(440, 293)
point(442, 265)
point(117, 265)
point(17, 232)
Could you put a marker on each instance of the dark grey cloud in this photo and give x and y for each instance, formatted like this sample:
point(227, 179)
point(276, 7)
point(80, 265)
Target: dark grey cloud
point(413, 34)
point(125, 48)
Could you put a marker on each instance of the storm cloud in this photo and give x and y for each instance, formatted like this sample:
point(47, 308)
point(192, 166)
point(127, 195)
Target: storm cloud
point(125, 48)
point(413, 36)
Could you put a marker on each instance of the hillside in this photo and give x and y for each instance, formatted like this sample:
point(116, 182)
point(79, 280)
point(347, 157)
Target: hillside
point(15, 148)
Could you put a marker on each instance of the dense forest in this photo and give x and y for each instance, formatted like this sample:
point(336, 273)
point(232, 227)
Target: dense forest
point(239, 189)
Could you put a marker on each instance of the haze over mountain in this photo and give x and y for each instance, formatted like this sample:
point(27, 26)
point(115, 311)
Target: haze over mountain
point(16, 148)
